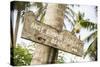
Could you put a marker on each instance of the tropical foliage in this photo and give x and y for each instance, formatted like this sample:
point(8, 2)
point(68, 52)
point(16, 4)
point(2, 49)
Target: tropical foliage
point(21, 56)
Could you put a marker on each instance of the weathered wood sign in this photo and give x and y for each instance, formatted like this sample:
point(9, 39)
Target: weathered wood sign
point(44, 34)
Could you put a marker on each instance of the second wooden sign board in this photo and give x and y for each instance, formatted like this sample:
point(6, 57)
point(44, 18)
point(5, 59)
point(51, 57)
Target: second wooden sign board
point(45, 34)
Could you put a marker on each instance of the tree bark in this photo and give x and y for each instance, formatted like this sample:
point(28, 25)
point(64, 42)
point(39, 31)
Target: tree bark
point(54, 17)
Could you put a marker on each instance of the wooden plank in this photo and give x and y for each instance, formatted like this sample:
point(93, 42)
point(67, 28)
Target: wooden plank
point(44, 34)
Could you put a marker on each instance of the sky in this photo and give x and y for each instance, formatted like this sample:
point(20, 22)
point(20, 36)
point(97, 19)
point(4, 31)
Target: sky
point(89, 14)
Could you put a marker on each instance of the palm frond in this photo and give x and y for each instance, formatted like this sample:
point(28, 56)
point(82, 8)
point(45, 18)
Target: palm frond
point(70, 10)
point(69, 20)
point(79, 17)
point(92, 49)
point(43, 13)
point(64, 25)
point(91, 36)
point(89, 25)
point(67, 13)
point(41, 10)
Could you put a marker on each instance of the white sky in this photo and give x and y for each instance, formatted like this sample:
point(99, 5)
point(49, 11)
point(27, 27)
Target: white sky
point(89, 14)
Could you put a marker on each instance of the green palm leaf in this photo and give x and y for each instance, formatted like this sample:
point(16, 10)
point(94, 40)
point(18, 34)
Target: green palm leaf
point(91, 36)
point(92, 50)
point(89, 25)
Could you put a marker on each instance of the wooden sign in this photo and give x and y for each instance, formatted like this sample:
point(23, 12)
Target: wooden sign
point(45, 34)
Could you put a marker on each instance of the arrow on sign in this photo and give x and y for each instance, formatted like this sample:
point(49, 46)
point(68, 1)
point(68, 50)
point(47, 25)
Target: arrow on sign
point(45, 34)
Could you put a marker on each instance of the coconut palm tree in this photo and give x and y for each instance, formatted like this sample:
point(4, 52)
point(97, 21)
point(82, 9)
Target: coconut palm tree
point(87, 24)
point(81, 22)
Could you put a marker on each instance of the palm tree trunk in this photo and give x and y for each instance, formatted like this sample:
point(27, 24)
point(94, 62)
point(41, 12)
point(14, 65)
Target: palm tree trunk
point(16, 28)
point(54, 17)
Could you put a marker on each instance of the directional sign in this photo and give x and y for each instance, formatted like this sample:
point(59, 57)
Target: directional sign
point(46, 35)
